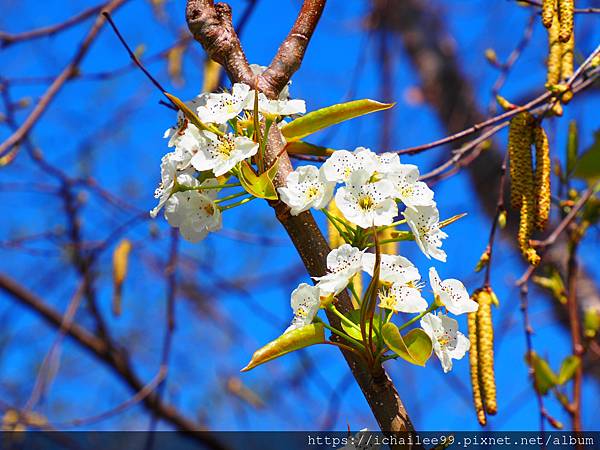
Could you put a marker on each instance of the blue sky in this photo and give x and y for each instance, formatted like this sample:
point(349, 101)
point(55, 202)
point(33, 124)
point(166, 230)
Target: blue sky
point(114, 127)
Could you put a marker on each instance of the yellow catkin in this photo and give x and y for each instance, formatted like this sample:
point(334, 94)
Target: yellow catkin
point(526, 224)
point(520, 138)
point(542, 177)
point(566, 59)
point(565, 15)
point(485, 350)
point(548, 12)
point(554, 53)
point(474, 364)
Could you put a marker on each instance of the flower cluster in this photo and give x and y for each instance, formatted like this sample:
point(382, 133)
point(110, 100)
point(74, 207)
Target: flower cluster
point(373, 185)
point(206, 153)
point(400, 290)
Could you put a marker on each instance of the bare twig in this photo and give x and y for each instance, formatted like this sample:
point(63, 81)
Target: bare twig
point(7, 39)
point(68, 72)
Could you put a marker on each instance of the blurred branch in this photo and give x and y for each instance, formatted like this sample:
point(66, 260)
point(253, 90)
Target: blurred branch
point(115, 359)
point(7, 39)
point(68, 72)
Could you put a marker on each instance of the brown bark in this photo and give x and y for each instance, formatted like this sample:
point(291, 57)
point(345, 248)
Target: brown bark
point(205, 23)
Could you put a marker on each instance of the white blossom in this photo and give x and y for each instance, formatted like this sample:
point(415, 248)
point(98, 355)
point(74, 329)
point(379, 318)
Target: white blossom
point(448, 342)
point(194, 212)
point(402, 298)
point(168, 173)
point(257, 69)
point(367, 204)
point(392, 268)
point(306, 188)
point(424, 223)
point(277, 107)
point(342, 164)
point(219, 108)
point(388, 163)
point(343, 263)
point(305, 303)
point(187, 140)
point(412, 192)
point(452, 294)
point(222, 153)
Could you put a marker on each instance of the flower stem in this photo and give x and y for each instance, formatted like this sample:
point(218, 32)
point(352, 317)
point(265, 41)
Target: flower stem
point(343, 318)
point(230, 197)
point(334, 221)
point(433, 307)
point(344, 336)
point(241, 202)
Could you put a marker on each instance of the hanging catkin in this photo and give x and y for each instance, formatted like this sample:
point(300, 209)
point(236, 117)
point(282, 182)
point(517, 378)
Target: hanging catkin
point(474, 364)
point(542, 177)
point(554, 53)
point(548, 11)
point(485, 350)
point(566, 59)
point(565, 15)
point(526, 225)
point(519, 152)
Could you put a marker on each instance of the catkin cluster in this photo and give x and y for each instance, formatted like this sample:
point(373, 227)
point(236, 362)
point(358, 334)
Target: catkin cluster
point(530, 191)
point(481, 355)
point(557, 17)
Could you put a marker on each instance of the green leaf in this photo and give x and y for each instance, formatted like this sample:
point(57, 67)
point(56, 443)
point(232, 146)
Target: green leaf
point(325, 117)
point(288, 342)
point(260, 186)
point(568, 368)
point(415, 347)
point(544, 377)
point(355, 333)
point(191, 115)
point(588, 166)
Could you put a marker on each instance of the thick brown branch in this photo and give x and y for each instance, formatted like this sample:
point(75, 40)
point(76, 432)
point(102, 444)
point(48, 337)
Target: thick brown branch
point(214, 31)
point(212, 27)
point(291, 51)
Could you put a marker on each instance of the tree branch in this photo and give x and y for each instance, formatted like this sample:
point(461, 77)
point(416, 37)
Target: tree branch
point(213, 29)
point(115, 359)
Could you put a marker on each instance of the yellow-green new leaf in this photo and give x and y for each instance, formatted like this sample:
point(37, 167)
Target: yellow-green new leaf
point(544, 377)
point(191, 115)
point(568, 368)
point(288, 342)
point(414, 347)
point(305, 148)
point(260, 186)
point(325, 117)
